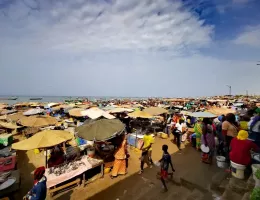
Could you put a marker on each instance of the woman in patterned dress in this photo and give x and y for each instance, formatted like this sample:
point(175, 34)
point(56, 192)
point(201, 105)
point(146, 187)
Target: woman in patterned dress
point(198, 133)
point(121, 155)
point(208, 139)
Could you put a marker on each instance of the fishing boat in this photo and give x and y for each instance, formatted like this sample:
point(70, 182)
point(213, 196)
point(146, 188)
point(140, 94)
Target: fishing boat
point(37, 98)
point(13, 98)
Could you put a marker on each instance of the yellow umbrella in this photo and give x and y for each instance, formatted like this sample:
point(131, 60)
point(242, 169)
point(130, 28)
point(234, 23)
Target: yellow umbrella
point(9, 125)
point(140, 114)
point(155, 110)
point(43, 139)
point(38, 121)
point(15, 117)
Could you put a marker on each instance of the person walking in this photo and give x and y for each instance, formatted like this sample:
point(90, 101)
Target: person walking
point(165, 161)
point(146, 157)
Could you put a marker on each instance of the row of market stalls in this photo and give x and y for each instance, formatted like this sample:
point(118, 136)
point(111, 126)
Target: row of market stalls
point(87, 132)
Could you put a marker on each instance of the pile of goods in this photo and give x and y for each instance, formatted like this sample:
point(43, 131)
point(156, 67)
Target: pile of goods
point(66, 167)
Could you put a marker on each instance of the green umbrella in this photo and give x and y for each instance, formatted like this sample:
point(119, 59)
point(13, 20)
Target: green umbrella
point(100, 130)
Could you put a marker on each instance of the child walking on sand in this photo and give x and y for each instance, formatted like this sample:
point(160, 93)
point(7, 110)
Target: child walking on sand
point(165, 162)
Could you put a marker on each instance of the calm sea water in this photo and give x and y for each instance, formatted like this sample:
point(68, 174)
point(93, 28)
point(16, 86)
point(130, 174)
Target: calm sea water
point(56, 99)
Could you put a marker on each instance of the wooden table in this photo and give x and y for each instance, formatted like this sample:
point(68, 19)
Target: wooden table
point(66, 180)
point(100, 175)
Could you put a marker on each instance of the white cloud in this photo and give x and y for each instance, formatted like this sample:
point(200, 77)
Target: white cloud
point(250, 37)
point(81, 26)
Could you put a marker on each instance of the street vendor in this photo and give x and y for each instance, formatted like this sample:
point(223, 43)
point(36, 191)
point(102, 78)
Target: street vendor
point(57, 157)
point(39, 190)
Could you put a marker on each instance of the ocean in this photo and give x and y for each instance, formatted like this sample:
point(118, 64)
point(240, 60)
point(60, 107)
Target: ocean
point(45, 99)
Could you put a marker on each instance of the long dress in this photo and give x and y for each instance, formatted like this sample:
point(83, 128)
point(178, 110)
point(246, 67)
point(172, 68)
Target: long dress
point(210, 142)
point(198, 132)
point(119, 167)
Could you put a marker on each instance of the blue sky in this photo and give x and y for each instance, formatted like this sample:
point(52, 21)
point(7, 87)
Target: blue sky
point(170, 48)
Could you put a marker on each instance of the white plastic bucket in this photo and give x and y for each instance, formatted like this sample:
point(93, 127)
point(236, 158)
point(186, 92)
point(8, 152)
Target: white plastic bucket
point(238, 170)
point(254, 169)
point(221, 162)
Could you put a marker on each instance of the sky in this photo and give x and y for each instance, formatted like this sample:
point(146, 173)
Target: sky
point(133, 48)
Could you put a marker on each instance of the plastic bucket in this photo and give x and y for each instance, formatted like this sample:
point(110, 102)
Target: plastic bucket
point(221, 162)
point(254, 169)
point(238, 170)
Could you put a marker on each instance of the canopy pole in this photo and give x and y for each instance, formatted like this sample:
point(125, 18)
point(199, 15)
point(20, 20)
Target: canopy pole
point(46, 158)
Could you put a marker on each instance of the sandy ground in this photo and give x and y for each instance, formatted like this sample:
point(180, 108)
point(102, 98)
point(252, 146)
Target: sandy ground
point(28, 161)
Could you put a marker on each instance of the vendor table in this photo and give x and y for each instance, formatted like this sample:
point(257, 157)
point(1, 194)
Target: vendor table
point(9, 167)
point(54, 182)
point(10, 190)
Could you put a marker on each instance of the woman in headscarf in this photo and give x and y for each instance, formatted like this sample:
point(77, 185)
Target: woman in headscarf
point(198, 133)
point(240, 149)
point(121, 156)
point(208, 139)
point(39, 190)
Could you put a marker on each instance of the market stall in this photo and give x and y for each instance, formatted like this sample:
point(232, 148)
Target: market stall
point(67, 173)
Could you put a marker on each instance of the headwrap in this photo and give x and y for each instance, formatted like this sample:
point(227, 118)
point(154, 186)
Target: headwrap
point(242, 135)
point(38, 173)
point(220, 118)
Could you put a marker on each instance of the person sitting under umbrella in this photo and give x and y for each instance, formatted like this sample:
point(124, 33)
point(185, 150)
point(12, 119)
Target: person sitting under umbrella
point(39, 190)
point(57, 157)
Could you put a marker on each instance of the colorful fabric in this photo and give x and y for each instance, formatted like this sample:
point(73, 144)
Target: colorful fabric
point(240, 151)
point(209, 137)
point(121, 151)
point(242, 135)
point(119, 167)
point(198, 132)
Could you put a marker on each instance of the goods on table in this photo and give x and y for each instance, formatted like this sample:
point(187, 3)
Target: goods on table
point(65, 167)
point(93, 161)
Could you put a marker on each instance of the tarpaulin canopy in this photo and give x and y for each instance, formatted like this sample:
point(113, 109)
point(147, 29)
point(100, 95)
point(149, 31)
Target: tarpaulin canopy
point(220, 111)
point(203, 115)
point(95, 113)
point(120, 110)
point(33, 111)
point(100, 130)
point(155, 111)
point(140, 114)
point(38, 121)
point(43, 139)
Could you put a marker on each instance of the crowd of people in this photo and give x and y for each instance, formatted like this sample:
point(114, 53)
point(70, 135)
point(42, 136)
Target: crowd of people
point(233, 136)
